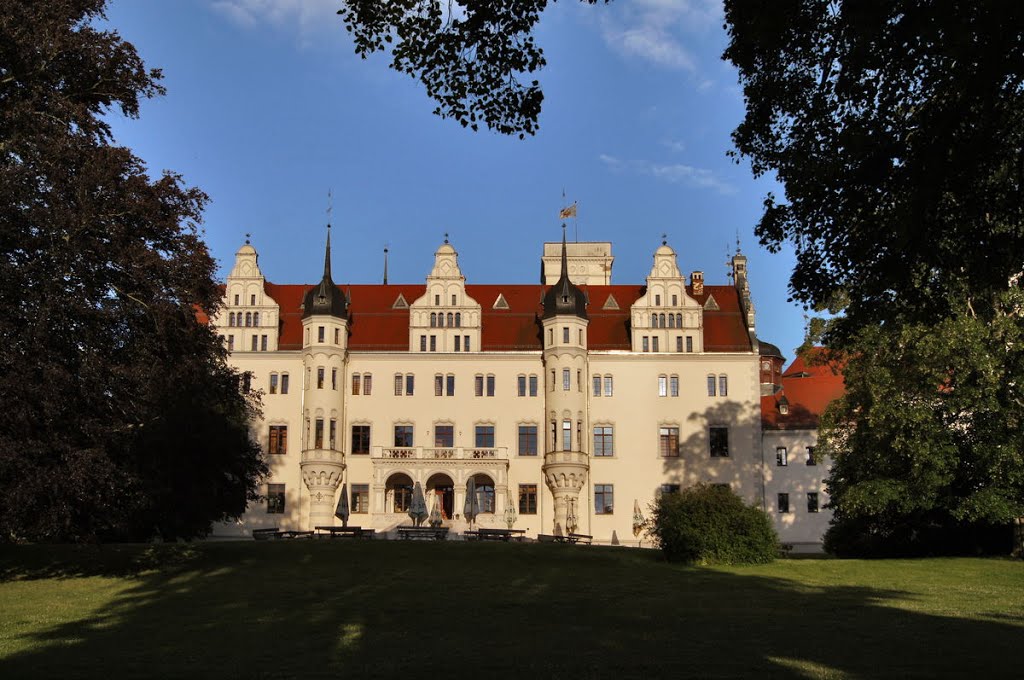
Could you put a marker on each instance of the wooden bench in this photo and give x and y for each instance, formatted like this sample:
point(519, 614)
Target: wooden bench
point(266, 534)
point(580, 538)
point(471, 535)
point(345, 532)
point(295, 534)
point(499, 534)
point(407, 533)
point(550, 538)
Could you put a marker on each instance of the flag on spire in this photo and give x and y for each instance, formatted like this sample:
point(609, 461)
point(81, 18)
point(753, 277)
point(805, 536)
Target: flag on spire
point(568, 212)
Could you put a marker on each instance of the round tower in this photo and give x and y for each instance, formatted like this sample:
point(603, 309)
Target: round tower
point(566, 461)
point(324, 357)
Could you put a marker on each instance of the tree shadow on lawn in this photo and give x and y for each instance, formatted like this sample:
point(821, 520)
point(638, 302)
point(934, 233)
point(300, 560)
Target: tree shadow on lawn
point(332, 609)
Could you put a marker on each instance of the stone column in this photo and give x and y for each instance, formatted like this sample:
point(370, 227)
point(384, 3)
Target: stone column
point(322, 471)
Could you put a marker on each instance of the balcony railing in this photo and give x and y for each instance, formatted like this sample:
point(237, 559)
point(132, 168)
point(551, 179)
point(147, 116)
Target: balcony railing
point(440, 453)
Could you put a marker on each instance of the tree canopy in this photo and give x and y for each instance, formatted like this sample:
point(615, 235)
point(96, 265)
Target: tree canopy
point(121, 417)
point(471, 56)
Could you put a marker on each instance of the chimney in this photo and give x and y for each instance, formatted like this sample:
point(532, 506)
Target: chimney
point(697, 281)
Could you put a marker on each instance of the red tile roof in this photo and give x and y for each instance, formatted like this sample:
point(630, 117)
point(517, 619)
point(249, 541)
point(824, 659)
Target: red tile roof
point(809, 387)
point(374, 323)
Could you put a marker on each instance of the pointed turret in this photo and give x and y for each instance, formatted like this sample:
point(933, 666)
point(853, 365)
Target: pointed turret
point(324, 299)
point(565, 297)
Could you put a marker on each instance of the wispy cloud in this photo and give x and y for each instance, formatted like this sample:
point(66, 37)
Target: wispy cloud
point(304, 17)
point(674, 173)
point(652, 29)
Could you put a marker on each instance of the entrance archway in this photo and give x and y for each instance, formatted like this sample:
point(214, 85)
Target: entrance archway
point(443, 487)
point(398, 493)
point(484, 492)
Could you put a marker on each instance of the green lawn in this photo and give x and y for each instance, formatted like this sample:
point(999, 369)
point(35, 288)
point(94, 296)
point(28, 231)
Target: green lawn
point(284, 609)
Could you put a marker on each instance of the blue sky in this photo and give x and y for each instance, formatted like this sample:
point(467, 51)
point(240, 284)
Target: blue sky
point(267, 108)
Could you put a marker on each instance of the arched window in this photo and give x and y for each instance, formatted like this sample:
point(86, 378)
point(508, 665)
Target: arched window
point(679, 320)
point(662, 324)
point(248, 319)
point(440, 319)
point(671, 320)
point(458, 320)
point(398, 492)
point(255, 318)
point(451, 318)
point(654, 320)
point(484, 492)
point(231, 319)
point(433, 319)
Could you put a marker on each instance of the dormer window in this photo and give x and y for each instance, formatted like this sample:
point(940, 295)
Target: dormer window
point(783, 409)
point(252, 299)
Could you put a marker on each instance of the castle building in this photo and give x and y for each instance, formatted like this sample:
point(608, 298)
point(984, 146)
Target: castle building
point(569, 403)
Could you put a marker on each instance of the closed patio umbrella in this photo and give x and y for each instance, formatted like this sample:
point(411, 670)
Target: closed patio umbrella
point(472, 507)
point(418, 507)
point(510, 512)
point(435, 514)
point(638, 518)
point(342, 510)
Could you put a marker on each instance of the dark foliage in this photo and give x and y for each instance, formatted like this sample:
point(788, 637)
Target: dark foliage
point(469, 55)
point(121, 418)
point(708, 524)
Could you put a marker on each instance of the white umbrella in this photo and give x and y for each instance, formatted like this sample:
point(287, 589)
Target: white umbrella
point(472, 507)
point(435, 514)
point(638, 518)
point(342, 510)
point(510, 512)
point(418, 507)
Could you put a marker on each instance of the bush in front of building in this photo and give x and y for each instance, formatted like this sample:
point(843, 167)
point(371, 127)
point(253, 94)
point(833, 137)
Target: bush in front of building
point(709, 524)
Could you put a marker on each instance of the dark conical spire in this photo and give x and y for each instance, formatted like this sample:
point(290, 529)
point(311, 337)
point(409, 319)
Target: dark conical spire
point(325, 298)
point(565, 297)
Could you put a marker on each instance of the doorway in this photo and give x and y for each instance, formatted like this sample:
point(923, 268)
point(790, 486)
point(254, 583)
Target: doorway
point(443, 488)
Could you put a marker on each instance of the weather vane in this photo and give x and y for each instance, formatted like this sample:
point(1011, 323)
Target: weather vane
point(664, 239)
point(330, 205)
point(446, 237)
point(247, 237)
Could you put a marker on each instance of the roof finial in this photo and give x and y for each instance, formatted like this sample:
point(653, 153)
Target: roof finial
point(247, 237)
point(729, 263)
point(664, 239)
point(330, 205)
point(565, 256)
point(446, 237)
point(385, 264)
point(327, 254)
point(737, 241)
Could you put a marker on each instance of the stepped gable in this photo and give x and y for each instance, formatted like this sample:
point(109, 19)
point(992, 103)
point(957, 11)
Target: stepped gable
point(375, 325)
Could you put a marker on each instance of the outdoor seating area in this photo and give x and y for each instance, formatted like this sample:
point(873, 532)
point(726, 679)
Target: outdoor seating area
point(345, 532)
point(505, 535)
point(422, 533)
point(571, 539)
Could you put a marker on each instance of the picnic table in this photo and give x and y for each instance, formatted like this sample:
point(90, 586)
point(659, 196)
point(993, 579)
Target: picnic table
point(345, 532)
point(295, 534)
point(571, 539)
point(266, 534)
point(580, 538)
point(407, 533)
point(494, 534)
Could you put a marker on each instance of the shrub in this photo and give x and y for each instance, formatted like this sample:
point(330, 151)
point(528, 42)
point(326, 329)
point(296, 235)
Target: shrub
point(707, 524)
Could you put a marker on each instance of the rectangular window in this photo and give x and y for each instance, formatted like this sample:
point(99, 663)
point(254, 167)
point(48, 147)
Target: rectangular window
point(527, 440)
point(812, 502)
point(662, 386)
point(811, 458)
point(719, 440)
point(668, 442)
point(604, 499)
point(603, 441)
point(566, 379)
point(403, 435)
point(252, 300)
point(450, 380)
point(567, 435)
point(438, 385)
point(484, 438)
point(490, 386)
point(273, 383)
point(597, 386)
point(410, 383)
point(320, 334)
point(565, 335)
point(367, 383)
point(423, 343)
point(689, 343)
point(255, 340)
point(723, 386)
point(669, 488)
point(444, 436)
point(360, 504)
point(527, 499)
point(607, 386)
point(679, 343)
point(275, 499)
point(231, 343)
point(284, 383)
point(654, 343)
point(263, 343)
point(478, 386)
point(332, 434)
point(334, 378)
point(533, 386)
point(236, 301)
point(458, 343)
point(337, 336)
point(783, 502)
point(399, 380)
point(433, 343)
point(521, 386)
point(454, 300)
point(711, 385)
point(657, 301)
point(781, 456)
point(646, 343)
point(278, 442)
point(356, 382)
point(361, 440)
point(465, 343)
point(320, 378)
point(318, 437)
point(673, 385)
point(579, 380)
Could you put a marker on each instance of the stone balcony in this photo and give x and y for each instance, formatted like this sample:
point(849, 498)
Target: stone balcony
point(440, 453)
